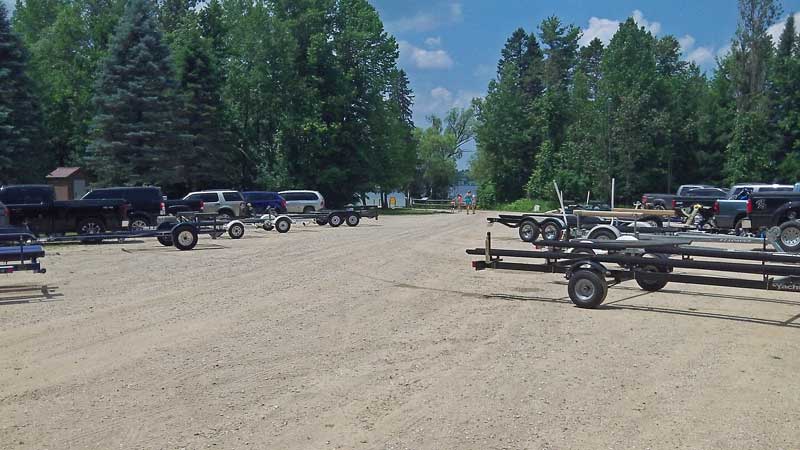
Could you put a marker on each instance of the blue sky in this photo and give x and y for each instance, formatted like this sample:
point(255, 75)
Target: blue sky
point(450, 48)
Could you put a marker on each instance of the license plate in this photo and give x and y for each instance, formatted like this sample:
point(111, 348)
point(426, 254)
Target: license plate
point(746, 223)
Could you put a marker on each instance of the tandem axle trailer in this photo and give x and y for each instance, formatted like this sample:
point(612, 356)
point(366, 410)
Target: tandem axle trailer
point(591, 267)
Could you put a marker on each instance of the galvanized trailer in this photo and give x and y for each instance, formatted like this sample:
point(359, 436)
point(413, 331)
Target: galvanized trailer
point(592, 266)
point(16, 254)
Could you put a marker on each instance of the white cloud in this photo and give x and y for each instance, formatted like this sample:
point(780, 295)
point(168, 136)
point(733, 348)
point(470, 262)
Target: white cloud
point(424, 59)
point(687, 42)
point(701, 56)
point(724, 51)
point(776, 30)
point(439, 100)
point(604, 29)
point(433, 42)
point(446, 13)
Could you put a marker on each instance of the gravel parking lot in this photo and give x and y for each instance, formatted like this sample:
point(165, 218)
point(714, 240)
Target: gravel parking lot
point(380, 337)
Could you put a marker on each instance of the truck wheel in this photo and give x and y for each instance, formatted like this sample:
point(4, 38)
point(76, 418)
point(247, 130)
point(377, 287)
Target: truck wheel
point(587, 289)
point(166, 241)
point(602, 235)
point(529, 231)
point(138, 224)
point(653, 221)
point(659, 207)
point(268, 226)
point(90, 226)
point(283, 225)
point(308, 210)
point(236, 231)
point(321, 221)
point(353, 220)
point(335, 220)
point(790, 236)
point(551, 231)
point(184, 237)
point(225, 215)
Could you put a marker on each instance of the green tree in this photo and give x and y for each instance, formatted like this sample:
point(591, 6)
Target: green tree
point(21, 155)
point(786, 98)
point(206, 155)
point(133, 131)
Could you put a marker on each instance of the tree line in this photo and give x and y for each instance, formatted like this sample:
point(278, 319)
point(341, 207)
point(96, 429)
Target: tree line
point(633, 110)
point(227, 93)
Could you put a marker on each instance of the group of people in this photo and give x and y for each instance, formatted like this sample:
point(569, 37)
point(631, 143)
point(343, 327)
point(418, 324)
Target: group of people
point(467, 201)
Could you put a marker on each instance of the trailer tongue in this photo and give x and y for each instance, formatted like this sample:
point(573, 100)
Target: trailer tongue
point(593, 266)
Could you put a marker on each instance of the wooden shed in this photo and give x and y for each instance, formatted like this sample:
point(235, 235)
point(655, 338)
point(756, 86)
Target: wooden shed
point(69, 182)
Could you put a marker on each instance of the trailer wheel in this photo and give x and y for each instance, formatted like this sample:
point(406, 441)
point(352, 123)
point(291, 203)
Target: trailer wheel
point(587, 289)
point(602, 235)
point(184, 237)
point(790, 236)
point(529, 231)
point(352, 220)
point(283, 225)
point(236, 231)
point(335, 220)
point(166, 241)
point(321, 221)
point(268, 226)
point(551, 231)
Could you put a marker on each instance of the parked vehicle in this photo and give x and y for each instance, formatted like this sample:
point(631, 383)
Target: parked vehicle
point(35, 206)
point(3, 215)
point(147, 204)
point(227, 204)
point(303, 201)
point(664, 201)
point(730, 213)
point(261, 202)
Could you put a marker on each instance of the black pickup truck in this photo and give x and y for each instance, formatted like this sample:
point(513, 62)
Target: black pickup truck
point(146, 204)
point(772, 209)
point(35, 206)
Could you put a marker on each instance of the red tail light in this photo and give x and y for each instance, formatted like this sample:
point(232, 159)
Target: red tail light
point(644, 200)
point(283, 203)
point(715, 210)
point(674, 204)
point(163, 209)
point(202, 206)
point(749, 206)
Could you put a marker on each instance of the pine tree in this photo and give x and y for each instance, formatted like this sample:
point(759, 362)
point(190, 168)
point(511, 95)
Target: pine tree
point(786, 98)
point(21, 156)
point(206, 155)
point(133, 134)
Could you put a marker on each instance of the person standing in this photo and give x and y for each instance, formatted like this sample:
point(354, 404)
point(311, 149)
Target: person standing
point(469, 200)
point(458, 202)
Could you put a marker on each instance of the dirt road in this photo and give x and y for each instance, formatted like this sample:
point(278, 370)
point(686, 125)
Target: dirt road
point(380, 337)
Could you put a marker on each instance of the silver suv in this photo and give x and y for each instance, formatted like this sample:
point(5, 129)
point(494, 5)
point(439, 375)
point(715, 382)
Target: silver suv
point(303, 201)
point(227, 204)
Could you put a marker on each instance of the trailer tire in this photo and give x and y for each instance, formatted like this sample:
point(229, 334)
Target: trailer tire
point(602, 235)
point(352, 220)
point(268, 227)
point(551, 231)
point(236, 231)
point(790, 236)
point(283, 225)
point(184, 237)
point(166, 241)
point(587, 289)
point(321, 221)
point(335, 220)
point(529, 231)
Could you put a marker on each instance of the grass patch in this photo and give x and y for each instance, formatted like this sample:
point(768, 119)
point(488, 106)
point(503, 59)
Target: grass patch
point(526, 205)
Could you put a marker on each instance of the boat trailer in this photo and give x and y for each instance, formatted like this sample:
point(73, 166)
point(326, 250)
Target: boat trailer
point(591, 267)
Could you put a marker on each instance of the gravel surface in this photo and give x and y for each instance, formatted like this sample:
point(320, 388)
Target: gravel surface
point(380, 337)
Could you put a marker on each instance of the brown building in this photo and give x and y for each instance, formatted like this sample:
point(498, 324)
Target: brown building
point(69, 183)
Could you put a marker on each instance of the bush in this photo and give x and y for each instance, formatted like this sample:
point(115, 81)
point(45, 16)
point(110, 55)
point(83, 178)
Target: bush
point(526, 205)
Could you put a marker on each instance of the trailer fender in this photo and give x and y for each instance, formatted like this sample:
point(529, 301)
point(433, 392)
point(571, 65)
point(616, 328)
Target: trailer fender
point(607, 232)
point(587, 265)
point(231, 223)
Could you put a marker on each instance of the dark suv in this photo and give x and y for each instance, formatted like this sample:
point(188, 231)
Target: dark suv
point(262, 201)
point(146, 203)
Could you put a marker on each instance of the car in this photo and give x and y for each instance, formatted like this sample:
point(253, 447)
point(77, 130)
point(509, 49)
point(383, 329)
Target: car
point(228, 204)
point(147, 203)
point(3, 215)
point(261, 201)
point(664, 201)
point(303, 201)
point(729, 214)
point(35, 206)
